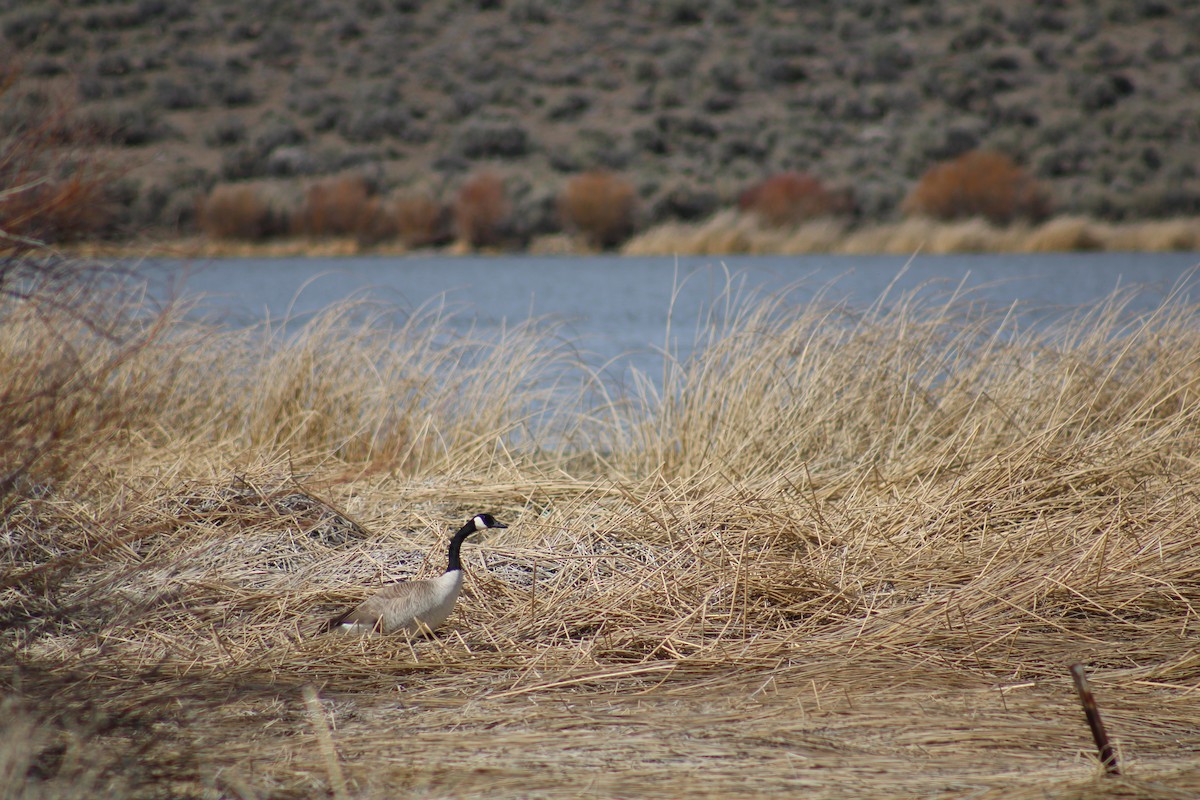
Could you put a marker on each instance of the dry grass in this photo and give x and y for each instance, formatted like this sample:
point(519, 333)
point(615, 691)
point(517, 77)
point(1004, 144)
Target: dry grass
point(732, 233)
point(842, 552)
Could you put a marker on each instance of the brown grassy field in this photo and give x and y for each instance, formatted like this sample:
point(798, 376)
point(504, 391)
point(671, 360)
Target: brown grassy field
point(841, 553)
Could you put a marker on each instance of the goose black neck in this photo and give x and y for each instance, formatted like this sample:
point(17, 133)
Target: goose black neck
point(453, 561)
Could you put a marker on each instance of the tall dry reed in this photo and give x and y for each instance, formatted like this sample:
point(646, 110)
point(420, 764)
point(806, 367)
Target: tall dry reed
point(873, 537)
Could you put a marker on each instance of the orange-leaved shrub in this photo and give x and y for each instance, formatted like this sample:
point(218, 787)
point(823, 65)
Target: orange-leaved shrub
point(377, 224)
point(791, 198)
point(481, 210)
point(335, 207)
point(600, 206)
point(238, 211)
point(979, 183)
point(416, 220)
point(420, 220)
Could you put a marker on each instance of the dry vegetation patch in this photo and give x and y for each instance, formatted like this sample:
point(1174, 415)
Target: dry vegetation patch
point(600, 206)
point(979, 183)
point(840, 551)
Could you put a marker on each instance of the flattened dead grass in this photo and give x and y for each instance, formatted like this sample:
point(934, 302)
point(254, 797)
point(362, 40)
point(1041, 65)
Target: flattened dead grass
point(841, 552)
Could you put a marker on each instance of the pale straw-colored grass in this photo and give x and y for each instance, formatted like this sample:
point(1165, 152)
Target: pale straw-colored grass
point(1156, 236)
point(729, 232)
point(839, 552)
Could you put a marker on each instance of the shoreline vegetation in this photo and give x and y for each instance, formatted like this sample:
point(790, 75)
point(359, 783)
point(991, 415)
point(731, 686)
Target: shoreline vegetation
point(688, 102)
point(839, 552)
point(732, 233)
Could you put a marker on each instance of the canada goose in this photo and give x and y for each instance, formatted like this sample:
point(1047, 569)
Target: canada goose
point(413, 605)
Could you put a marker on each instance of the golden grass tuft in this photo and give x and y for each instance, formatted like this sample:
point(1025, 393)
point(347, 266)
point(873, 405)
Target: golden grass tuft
point(1155, 236)
point(732, 232)
point(1065, 235)
point(726, 232)
point(855, 547)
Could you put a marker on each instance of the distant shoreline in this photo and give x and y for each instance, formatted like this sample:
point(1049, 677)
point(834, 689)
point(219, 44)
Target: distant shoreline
point(730, 233)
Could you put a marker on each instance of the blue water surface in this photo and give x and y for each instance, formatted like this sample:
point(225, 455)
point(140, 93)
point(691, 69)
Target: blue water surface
point(617, 307)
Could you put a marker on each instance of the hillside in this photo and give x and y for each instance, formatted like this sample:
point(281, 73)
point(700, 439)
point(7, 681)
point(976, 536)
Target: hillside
point(691, 100)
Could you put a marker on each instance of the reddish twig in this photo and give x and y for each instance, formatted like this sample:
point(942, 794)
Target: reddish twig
point(1107, 757)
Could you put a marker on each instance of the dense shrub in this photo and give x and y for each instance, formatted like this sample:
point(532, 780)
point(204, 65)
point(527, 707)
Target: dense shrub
point(129, 125)
point(233, 211)
point(530, 12)
point(980, 183)
point(167, 204)
point(481, 211)
point(279, 133)
point(791, 198)
point(420, 221)
point(176, 95)
point(1096, 92)
point(374, 124)
point(242, 163)
point(377, 224)
point(335, 207)
point(225, 132)
point(231, 92)
point(780, 70)
point(286, 162)
point(535, 211)
point(259, 159)
point(492, 141)
point(600, 206)
point(24, 27)
point(416, 220)
point(572, 106)
point(683, 201)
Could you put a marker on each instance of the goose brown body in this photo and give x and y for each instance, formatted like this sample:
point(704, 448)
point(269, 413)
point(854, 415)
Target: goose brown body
point(403, 607)
point(413, 606)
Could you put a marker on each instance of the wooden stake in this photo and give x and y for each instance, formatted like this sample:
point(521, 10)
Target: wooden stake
point(1107, 757)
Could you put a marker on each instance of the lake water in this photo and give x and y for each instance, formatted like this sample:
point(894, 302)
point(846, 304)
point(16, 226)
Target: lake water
point(618, 307)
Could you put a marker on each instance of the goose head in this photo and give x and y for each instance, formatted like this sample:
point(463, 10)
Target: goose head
point(482, 522)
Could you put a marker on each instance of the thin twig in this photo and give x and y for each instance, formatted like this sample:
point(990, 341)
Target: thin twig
point(1107, 757)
